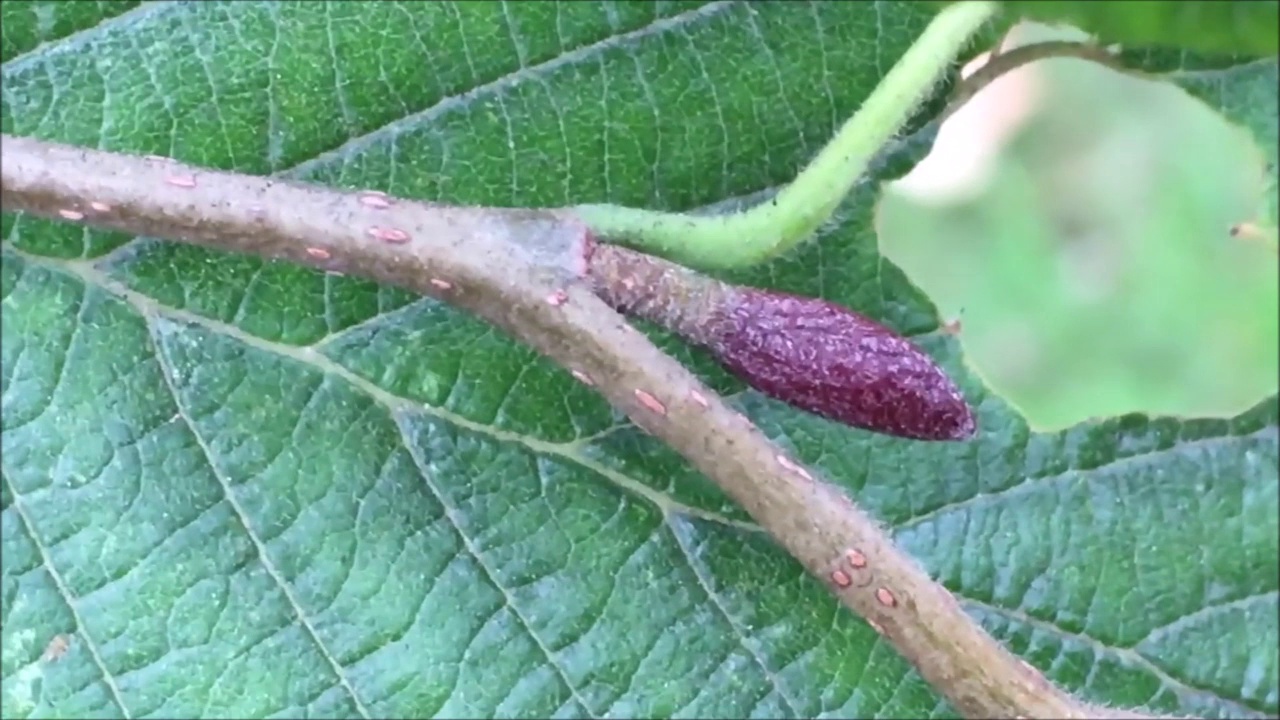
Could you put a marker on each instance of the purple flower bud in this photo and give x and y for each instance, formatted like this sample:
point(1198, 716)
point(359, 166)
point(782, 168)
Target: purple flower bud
point(833, 362)
point(807, 352)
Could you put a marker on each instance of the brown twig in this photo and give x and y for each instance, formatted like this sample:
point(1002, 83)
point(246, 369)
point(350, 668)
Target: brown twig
point(1004, 61)
point(522, 270)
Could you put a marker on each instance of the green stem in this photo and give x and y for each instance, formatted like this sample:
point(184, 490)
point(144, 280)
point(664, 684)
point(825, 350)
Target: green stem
point(772, 228)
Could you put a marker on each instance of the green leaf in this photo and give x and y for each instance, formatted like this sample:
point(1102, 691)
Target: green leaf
point(1248, 27)
point(242, 488)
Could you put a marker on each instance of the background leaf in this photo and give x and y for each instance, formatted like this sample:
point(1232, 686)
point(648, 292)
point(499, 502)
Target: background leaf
point(1247, 27)
point(1088, 255)
point(1245, 93)
point(244, 488)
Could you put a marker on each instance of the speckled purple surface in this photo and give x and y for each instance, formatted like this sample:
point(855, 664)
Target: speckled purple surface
point(836, 363)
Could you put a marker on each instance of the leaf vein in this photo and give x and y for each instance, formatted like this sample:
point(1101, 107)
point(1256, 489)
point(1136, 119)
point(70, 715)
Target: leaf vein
point(82, 630)
point(680, 532)
point(170, 379)
point(1206, 610)
point(1125, 656)
point(508, 81)
point(1039, 480)
point(78, 40)
point(451, 513)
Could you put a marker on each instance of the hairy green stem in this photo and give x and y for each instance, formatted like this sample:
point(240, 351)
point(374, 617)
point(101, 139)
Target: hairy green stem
point(769, 229)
